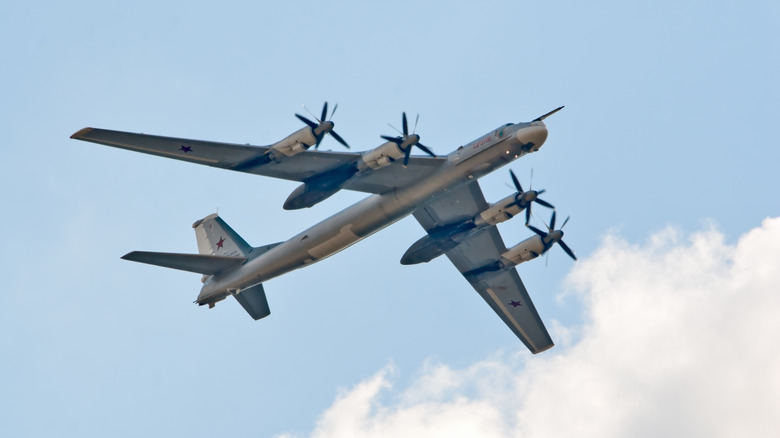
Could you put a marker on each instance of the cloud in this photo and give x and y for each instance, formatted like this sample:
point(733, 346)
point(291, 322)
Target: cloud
point(681, 338)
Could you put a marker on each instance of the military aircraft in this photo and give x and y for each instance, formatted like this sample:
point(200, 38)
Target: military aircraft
point(441, 192)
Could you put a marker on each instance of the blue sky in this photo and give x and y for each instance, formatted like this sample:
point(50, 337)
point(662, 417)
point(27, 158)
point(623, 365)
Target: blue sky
point(670, 118)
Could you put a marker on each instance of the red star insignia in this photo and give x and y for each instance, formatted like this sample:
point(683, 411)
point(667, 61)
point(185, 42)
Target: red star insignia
point(221, 242)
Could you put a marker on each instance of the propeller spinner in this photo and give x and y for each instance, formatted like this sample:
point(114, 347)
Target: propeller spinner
point(407, 141)
point(553, 236)
point(323, 126)
point(526, 199)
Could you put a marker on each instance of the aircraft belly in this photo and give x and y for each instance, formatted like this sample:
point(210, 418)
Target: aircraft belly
point(340, 241)
point(318, 242)
point(353, 224)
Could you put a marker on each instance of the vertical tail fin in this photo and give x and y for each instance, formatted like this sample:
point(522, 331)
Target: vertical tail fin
point(215, 237)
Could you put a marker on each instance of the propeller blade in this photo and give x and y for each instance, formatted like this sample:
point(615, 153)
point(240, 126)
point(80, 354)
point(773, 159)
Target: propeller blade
point(339, 139)
point(567, 249)
point(406, 155)
point(543, 202)
point(527, 214)
point(334, 111)
point(311, 114)
point(541, 233)
point(539, 192)
point(516, 181)
point(311, 124)
point(564, 222)
point(324, 112)
point(394, 128)
point(319, 140)
point(395, 140)
point(405, 125)
point(415, 123)
point(425, 149)
point(552, 221)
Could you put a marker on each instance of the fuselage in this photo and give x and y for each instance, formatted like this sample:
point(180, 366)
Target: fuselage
point(376, 212)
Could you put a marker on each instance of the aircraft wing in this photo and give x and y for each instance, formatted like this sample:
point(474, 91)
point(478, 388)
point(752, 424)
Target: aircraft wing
point(241, 158)
point(502, 290)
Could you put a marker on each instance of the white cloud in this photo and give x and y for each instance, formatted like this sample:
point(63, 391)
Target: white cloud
point(682, 338)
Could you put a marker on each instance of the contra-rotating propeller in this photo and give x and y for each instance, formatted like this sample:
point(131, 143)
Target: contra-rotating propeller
point(323, 126)
point(407, 141)
point(525, 199)
point(553, 236)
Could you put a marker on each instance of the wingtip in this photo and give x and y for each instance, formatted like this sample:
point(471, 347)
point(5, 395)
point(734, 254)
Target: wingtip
point(539, 350)
point(81, 133)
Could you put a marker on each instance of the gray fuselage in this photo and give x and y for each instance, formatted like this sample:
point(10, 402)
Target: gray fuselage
point(370, 215)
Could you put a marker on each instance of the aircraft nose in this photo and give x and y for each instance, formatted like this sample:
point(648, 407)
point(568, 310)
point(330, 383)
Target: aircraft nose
point(535, 133)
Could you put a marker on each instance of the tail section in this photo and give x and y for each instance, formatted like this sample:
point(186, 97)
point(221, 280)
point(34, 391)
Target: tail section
point(215, 237)
point(253, 300)
point(200, 263)
point(221, 249)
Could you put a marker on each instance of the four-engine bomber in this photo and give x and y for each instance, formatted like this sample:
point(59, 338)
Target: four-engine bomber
point(441, 192)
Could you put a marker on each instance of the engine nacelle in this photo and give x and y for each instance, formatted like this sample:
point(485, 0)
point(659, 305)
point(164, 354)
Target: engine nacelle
point(498, 212)
point(524, 251)
point(294, 144)
point(528, 249)
point(380, 157)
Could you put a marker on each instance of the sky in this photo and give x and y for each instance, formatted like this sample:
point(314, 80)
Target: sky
point(665, 157)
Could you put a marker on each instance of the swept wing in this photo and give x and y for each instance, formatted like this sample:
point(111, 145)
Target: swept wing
point(502, 290)
point(244, 158)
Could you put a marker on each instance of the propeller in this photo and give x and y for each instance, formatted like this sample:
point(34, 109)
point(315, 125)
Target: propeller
point(323, 125)
point(526, 199)
point(406, 141)
point(553, 236)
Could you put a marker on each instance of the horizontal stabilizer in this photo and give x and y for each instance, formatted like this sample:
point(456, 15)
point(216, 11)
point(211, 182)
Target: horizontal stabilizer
point(202, 264)
point(253, 300)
